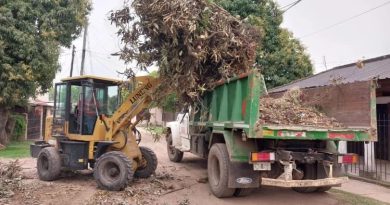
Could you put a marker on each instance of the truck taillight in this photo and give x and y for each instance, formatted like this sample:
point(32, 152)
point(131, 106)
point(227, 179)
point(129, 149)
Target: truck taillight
point(348, 159)
point(262, 156)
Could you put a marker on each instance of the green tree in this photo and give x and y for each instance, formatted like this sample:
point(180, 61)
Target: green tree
point(281, 57)
point(31, 33)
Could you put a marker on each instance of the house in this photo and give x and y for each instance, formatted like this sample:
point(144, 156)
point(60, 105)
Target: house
point(38, 109)
point(357, 95)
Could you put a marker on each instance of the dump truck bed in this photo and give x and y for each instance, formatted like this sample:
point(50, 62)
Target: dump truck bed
point(234, 103)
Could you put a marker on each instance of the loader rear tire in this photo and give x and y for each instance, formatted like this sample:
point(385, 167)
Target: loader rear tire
point(218, 171)
point(174, 154)
point(49, 164)
point(150, 163)
point(113, 171)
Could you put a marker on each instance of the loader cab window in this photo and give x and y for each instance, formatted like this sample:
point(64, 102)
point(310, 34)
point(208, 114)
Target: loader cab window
point(87, 99)
point(90, 110)
point(100, 99)
point(107, 98)
point(74, 111)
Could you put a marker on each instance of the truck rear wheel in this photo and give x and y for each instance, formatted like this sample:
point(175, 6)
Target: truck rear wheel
point(113, 171)
point(49, 164)
point(240, 192)
point(150, 163)
point(323, 188)
point(218, 171)
point(309, 172)
point(174, 154)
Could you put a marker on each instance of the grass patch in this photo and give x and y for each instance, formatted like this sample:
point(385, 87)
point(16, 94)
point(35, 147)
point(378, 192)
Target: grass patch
point(16, 149)
point(349, 198)
point(157, 130)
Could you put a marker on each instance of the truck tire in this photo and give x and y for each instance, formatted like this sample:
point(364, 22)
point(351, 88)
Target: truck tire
point(113, 171)
point(49, 164)
point(241, 192)
point(323, 188)
point(150, 163)
point(218, 171)
point(308, 173)
point(174, 154)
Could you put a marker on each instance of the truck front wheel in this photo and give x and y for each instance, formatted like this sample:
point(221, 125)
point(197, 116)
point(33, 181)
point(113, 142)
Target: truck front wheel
point(174, 154)
point(218, 171)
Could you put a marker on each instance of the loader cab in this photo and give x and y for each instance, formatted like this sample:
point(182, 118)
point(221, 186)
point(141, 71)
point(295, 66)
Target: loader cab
point(80, 101)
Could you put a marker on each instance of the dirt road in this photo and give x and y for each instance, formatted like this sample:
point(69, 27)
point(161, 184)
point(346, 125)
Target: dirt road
point(181, 183)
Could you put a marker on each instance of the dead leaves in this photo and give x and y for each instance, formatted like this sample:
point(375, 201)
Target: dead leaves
point(291, 110)
point(193, 42)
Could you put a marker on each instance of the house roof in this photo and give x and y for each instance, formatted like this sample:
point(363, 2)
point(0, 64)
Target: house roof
point(374, 68)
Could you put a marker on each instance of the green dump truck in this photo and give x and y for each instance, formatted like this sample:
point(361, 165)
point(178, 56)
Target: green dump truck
point(243, 154)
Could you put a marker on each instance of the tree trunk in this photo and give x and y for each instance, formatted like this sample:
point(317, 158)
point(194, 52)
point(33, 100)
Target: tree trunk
point(9, 128)
point(4, 116)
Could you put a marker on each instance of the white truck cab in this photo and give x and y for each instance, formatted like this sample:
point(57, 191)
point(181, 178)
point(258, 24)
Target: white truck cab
point(179, 133)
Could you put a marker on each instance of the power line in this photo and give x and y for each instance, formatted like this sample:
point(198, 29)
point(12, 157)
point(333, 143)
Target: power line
point(345, 20)
point(289, 6)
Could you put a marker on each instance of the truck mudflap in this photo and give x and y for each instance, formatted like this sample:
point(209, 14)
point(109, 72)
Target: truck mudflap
point(336, 181)
point(242, 175)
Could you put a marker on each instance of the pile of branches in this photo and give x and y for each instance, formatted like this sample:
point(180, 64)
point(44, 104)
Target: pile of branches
point(194, 43)
point(10, 178)
point(291, 110)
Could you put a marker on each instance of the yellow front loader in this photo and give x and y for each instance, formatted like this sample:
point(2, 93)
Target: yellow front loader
point(93, 128)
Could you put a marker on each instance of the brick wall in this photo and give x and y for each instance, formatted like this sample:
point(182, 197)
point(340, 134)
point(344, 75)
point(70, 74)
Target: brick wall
point(350, 104)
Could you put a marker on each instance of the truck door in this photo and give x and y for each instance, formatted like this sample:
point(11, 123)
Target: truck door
point(184, 133)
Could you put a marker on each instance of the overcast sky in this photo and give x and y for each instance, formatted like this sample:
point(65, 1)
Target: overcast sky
point(365, 36)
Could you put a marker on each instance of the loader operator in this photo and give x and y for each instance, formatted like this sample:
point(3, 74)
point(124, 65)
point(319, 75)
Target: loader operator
point(90, 111)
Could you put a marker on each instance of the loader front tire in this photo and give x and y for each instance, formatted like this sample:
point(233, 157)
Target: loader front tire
point(150, 163)
point(113, 171)
point(49, 164)
point(218, 171)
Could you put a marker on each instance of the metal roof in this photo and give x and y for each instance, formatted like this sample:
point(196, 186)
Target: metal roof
point(374, 68)
point(86, 77)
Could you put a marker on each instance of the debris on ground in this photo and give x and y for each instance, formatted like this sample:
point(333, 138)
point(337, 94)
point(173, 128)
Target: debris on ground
point(10, 178)
point(140, 192)
point(2, 147)
point(184, 202)
point(291, 110)
point(193, 42)
point(203, 180)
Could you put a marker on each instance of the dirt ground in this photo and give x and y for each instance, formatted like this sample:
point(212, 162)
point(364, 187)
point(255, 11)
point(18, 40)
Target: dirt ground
point(174, 183)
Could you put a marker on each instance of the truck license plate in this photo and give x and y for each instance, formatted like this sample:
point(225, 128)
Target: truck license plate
point(262, 166)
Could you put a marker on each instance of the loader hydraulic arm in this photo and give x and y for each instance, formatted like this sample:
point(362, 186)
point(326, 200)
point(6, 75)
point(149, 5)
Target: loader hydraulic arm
point(135, 103)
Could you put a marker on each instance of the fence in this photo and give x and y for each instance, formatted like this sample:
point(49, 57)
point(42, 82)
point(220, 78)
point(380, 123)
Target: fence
point(374, 162)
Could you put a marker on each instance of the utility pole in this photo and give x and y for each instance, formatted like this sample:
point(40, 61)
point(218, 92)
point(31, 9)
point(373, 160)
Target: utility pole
point(83, 52)
point(324, 62)
point(71, 66)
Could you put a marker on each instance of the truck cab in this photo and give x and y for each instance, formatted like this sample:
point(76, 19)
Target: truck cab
point(243, 154)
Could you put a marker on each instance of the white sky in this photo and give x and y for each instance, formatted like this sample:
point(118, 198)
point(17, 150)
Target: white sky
point(366, 36)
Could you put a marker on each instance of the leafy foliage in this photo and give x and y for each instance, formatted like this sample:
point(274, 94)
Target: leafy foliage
point(19, 128)
point(281, 56)
point(193, 42)
point(31, 33)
